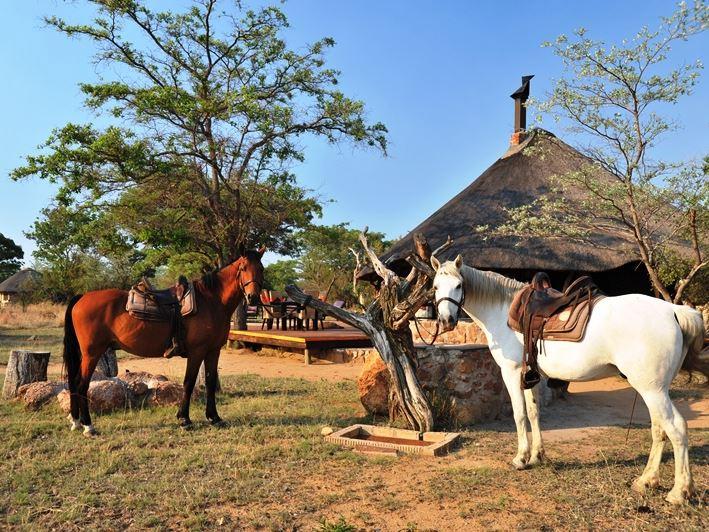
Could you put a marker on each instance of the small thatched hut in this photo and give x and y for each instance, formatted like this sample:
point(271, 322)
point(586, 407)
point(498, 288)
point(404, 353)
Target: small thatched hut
point(12, 288)
point(517, 178)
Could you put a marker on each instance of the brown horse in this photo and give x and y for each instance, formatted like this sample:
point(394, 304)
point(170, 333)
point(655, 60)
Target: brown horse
point(97, 321)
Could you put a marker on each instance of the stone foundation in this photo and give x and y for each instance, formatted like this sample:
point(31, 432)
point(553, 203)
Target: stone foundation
point(466, 332)
point(463, 382)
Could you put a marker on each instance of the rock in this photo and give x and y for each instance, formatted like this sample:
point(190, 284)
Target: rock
point(155, 380)
point(326, 431)
point(109, 395)
point(98, 375)
point(166, 393)
point(64, 399)
point(373, 385)
point(36, 394)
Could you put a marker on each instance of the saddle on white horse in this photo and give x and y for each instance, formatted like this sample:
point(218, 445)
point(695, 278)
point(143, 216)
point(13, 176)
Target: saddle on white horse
point(540, 313)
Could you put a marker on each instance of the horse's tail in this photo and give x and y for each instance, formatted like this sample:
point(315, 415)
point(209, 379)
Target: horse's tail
point(692, 327)
point(72, 351)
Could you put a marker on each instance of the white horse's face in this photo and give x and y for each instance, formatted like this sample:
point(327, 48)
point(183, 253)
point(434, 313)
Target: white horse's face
point(449, 294)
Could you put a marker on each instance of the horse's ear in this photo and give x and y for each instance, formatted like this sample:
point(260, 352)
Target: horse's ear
point(435, 263)
point(261, 251)
point(458, 261)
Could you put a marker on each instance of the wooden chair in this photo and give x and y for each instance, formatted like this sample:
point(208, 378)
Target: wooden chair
point(271, 312)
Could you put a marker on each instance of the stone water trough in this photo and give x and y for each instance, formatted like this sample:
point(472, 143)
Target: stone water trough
point(388, 440)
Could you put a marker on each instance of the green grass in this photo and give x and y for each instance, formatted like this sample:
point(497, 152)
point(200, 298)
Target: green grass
point(40, 339)
point(270, 469)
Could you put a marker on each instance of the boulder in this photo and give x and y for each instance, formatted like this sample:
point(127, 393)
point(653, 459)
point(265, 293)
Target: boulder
point(373, 385)
point(36, 394)
point(64, 399)
point(132, 389)
point(165, 393)
point(109, 395)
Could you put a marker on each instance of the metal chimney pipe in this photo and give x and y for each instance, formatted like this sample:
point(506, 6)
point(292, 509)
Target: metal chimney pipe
point(520, 97)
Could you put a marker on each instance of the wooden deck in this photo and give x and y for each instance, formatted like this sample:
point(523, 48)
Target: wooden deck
point(309, 342)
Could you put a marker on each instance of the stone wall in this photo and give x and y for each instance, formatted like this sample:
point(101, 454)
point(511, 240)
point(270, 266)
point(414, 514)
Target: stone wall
point(463, 381)
point(466, 332)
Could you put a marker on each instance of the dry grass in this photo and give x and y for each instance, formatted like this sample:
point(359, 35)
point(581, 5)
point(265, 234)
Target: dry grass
point(34, 316)
point(270, 469)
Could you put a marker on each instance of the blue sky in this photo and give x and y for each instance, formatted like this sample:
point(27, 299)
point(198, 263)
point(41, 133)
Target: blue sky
point(438, 74)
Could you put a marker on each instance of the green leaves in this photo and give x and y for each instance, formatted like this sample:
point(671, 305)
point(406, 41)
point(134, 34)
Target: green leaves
point(210, 105)
point(10, 256)
point(612, 97)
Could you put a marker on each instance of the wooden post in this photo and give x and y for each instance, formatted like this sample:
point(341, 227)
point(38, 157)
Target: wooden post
point(306, 356)
point(24, 367)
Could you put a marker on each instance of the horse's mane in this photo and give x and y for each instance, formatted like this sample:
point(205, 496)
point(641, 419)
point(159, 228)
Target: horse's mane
point(210, 280)
point(484, 286)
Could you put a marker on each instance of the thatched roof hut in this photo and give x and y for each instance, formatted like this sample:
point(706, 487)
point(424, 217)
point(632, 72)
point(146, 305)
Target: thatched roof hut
point(517, 178)
point(14, 285)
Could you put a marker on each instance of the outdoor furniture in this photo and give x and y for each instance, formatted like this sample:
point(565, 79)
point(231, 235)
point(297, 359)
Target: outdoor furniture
point(271, 312)
point(310, 316)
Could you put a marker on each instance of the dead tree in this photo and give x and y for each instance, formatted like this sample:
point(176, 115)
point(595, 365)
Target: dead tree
point(386, 323)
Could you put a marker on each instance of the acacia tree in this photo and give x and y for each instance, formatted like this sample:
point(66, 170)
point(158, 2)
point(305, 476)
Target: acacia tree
point(209, 108)
point(611, 96)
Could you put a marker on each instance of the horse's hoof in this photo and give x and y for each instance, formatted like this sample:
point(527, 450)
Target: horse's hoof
point(218, 422)
point(640, 485)
point(185, 424)
point(90, 431)
point(75, 423)
point(678, 496)
point(520, 465)
point(536, 460)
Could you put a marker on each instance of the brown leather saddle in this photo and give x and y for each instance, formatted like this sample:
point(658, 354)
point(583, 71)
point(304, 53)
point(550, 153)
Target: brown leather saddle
point(169, 305)
point(540, 313)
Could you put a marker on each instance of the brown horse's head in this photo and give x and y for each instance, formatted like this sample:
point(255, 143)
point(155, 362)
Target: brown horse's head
point(251, 275)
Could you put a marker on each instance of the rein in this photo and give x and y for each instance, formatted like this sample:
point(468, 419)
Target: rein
point(418, 331)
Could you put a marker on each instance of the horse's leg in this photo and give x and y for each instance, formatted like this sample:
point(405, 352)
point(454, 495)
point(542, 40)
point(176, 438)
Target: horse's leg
point(210, 370)
point(512, 378)
point(183, 414)
point(651, 475)
point(531, 401)
point(88, 365)
point(674, 425)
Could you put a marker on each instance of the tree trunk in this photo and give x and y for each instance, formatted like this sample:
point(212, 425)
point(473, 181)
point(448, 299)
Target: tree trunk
point(24, 367)
point(240, 323)
point(108, 364)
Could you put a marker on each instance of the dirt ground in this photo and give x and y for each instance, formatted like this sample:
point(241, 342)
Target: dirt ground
point(587, 407)
point(282, 476)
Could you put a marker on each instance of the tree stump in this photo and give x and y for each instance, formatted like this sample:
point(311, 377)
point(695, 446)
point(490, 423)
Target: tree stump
point(108, 364)
point(24, 367)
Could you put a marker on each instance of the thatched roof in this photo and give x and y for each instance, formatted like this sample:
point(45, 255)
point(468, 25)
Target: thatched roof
point(16, 283)
point(519, 177)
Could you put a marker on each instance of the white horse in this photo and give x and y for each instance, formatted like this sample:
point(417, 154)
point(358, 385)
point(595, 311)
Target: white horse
point(644, 338)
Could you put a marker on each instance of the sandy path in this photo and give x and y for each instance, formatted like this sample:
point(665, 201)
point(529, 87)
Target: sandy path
point(242, 362)
point(588, 406)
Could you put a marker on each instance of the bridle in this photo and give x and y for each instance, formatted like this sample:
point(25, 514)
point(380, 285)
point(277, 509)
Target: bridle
point(247, 283)
point(458, 304)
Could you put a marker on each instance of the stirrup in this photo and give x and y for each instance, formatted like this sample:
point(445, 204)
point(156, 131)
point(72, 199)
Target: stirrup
point(530, 379)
